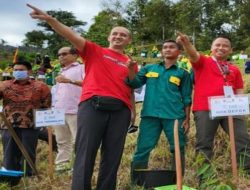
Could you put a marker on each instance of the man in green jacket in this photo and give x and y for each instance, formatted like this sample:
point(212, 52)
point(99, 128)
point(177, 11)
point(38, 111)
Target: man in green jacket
point(167, 97)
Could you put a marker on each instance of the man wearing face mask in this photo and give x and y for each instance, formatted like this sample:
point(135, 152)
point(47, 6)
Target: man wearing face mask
point(21, 96)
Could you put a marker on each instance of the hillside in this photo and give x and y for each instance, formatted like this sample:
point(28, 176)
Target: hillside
point(160, 159)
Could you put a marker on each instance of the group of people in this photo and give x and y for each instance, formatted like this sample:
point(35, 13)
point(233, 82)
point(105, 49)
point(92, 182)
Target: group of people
point(23, 94)
point(106, 102)
point(42, 63)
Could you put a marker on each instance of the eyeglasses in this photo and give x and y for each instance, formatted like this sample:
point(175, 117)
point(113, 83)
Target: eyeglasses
point(63, 54)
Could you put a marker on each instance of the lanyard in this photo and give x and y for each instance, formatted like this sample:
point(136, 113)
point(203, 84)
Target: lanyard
point(224, 70)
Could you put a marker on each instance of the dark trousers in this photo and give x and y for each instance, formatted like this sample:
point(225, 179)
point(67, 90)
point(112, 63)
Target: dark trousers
point(13, 158)
point(206, 129)
point(43, 135)
point(107, 129)
point(149, 134)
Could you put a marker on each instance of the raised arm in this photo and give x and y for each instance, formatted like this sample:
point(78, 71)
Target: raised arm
point(76, 40)
point(131, 69)
point(188, 47)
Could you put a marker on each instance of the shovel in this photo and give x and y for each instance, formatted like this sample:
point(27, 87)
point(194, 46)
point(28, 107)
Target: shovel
point(179, 185)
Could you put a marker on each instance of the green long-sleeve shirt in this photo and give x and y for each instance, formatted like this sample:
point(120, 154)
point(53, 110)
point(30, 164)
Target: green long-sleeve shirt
point(168, 91)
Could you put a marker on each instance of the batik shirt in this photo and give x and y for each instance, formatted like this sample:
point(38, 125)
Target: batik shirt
point(20, 100)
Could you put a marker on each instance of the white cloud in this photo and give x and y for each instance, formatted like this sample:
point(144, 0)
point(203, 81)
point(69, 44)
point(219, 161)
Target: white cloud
point(15, 20)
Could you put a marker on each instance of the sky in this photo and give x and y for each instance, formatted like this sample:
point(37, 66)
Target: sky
point(15, 20)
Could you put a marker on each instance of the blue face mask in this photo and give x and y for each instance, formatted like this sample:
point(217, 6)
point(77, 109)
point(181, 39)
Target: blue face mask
point(20, 75)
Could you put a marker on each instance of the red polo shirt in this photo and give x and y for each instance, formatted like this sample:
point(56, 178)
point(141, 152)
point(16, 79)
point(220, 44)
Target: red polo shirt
point(209, 81)
point(105, 73)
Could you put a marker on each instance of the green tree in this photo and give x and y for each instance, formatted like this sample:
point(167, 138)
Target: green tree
point(135, 14)
point(103, 23)
point(150, 21)
point(34, 38)
point(214, 22)
point(204, 20)
point(48, 36)
point(187, 17)
point(158, 21)
point(241, 25)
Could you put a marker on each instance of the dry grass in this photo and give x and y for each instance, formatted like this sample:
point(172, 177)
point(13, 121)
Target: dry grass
point(159, 159)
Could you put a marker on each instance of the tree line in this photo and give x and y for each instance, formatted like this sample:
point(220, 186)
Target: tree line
point(152, 21)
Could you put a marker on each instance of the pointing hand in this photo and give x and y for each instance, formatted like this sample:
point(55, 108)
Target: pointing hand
point(182, 38)
point(38, 14)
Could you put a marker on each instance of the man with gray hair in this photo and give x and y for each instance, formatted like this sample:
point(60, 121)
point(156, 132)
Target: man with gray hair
point(66, 95)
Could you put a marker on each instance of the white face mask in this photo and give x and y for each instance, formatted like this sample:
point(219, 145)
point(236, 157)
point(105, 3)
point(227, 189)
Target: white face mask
point(20, 75)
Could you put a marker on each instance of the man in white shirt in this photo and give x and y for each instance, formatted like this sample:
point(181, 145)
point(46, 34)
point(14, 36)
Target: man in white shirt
point(66, 96)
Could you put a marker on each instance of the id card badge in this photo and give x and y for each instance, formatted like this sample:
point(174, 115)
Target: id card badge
point(228, 91)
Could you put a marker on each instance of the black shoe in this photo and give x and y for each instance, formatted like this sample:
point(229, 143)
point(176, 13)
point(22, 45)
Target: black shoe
point(132, 129)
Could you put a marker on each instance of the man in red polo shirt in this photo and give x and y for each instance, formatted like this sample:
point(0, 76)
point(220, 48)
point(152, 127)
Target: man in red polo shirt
point(104, 110)
point(213, 74)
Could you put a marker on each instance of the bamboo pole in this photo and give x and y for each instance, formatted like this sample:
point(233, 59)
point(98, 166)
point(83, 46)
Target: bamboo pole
point(177, 156)
point(19, 144)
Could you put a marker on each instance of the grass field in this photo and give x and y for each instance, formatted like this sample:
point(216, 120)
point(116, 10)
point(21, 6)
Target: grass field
point(160, 159)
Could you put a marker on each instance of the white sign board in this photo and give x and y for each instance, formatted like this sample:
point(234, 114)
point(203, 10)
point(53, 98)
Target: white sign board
point(49, 117)
point(139, 94)
point(229, 106)
point(243, 56)
point(5, 74)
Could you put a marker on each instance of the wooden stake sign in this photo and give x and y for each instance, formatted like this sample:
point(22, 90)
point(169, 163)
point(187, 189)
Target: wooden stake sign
point(221, 106)
point(46, 118)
